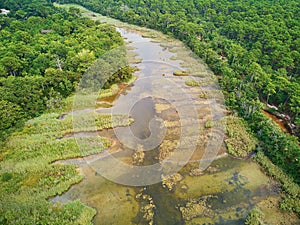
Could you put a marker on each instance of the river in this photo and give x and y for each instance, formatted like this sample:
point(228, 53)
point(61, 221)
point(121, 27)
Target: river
point(170, 113)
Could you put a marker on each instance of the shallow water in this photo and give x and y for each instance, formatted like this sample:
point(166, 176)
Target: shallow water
point(169, 126)
point(277, 120)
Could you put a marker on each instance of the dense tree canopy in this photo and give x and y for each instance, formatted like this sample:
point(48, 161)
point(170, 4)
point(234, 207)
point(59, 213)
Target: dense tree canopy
point(259, 40)
point(43, 53)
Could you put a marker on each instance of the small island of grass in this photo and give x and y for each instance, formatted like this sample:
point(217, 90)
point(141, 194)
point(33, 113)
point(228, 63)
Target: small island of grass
point(180, 73)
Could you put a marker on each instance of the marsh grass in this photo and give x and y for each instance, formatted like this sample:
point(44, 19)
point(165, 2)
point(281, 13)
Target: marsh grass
point(255, 217)
point(209, 124)
point(108, 92)
point(240, 142)
point(192, 83)
point(290, 201)
point(132, 57)
point(180, 73)
point(150, 35)
point(28, 178)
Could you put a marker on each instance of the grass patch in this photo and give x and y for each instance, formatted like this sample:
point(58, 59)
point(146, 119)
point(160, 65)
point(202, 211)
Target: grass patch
point(28, 178)
point(209, 124)
point(114, 89)
point(255, 217)
point(131, 80)
point(149, 35)
point(161, 107)
point(104, 105)
point(290, 201)
point(180, 73)
point(23, 197)
point(192, 83)
point(103, 93)
point(240, 142)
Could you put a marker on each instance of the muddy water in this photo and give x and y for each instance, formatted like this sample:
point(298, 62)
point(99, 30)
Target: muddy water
point(163, 107)
point(278, 121)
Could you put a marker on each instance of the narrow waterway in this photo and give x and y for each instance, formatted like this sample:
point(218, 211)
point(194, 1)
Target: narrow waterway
point(169, 126)
point(277, 121)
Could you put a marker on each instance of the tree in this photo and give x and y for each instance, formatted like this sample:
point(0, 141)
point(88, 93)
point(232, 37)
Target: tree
point(10, 114)
point(12, 64)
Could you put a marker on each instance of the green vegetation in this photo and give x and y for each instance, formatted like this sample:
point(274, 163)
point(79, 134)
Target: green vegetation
point(240, 142)
point(291, 201)
point(122, 75)
point(44, 52)
point(202, 94)
point(180, 73)
point(28, 178)
point(282, 149)
point(254, 218)
point(192, 83)
point(209, 124)
point(252, 46)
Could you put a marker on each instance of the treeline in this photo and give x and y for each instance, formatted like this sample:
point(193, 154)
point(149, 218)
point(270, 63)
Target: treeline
point(44, 51)
point(253, 46)
point(258, 40)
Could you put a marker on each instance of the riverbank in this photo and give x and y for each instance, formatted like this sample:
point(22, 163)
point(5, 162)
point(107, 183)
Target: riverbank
point(166, 204)
point(224, 193)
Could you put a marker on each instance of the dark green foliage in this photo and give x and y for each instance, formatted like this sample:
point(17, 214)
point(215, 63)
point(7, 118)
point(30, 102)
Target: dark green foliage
point(124, 74)
point(44, 51)
point(6, 177)
point(290, 203)
point(10, 113)
point(282, 149)
point(25, 8)
point(254, 42)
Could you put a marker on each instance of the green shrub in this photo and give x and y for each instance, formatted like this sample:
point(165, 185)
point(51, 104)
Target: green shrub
point(255, 217)
point(6, 177)
point(240, 141)
point(209, 124)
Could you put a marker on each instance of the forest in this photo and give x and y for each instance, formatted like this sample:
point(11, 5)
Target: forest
point(253, 47)
point(43, 53)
